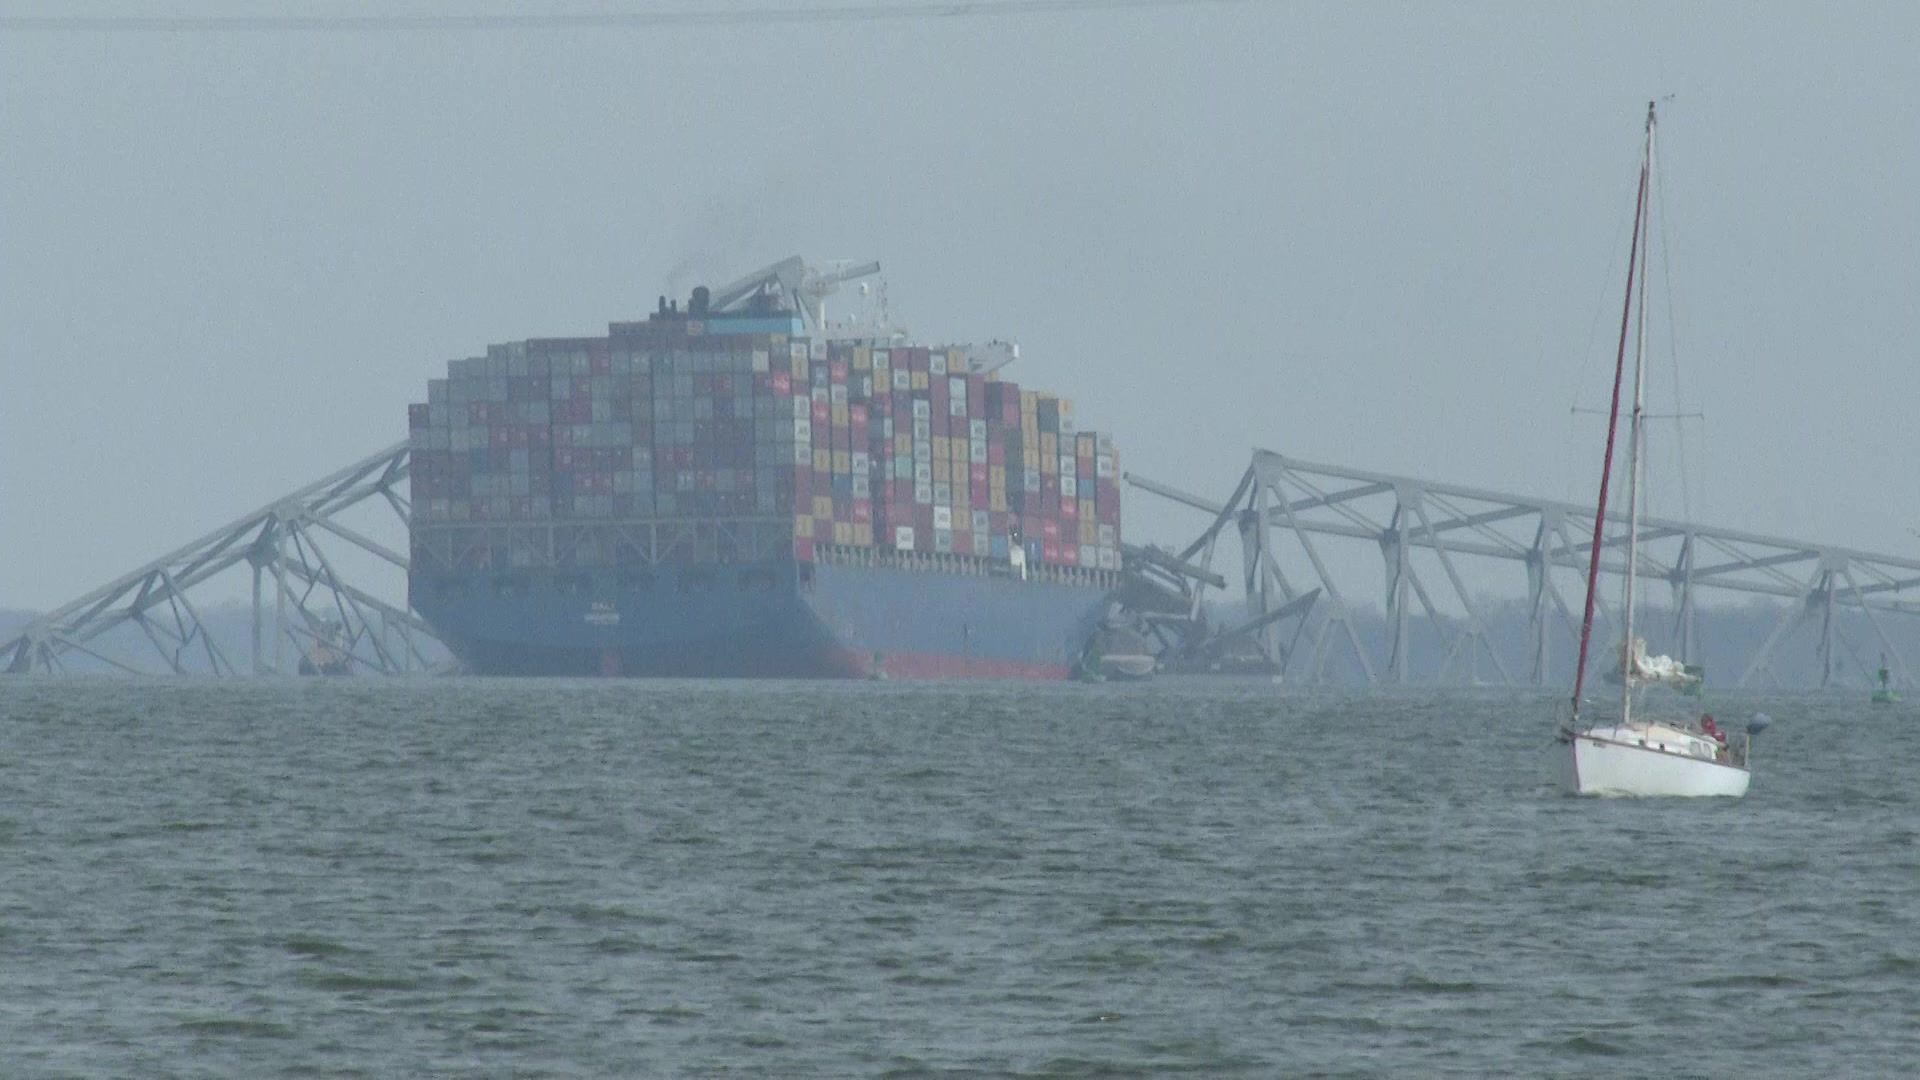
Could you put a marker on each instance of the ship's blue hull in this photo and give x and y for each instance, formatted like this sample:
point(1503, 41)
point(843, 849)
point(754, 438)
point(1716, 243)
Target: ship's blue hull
point(776, 619)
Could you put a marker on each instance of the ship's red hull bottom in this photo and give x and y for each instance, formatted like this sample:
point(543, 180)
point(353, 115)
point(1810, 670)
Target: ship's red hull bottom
point(934, 666)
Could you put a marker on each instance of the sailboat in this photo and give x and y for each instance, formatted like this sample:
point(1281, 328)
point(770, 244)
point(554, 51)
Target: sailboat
point(1625, 753)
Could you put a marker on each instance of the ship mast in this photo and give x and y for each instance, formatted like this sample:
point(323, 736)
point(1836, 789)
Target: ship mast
point(1636, 454)
point(1629, 661)
point(1613, 425)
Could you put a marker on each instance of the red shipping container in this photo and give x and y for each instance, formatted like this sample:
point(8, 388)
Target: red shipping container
point(977, 395)
point(977, 480)
point(782, 383)
point(822, 414)
point(823, 530)
point(1050, 551)
point(862, 511)
point(1070, 508)
point(962, 542)
point(1069, 554)
point(1050, 529)
point(996, 449)
point(857, 417)
point(837, 371)
point(803, 548)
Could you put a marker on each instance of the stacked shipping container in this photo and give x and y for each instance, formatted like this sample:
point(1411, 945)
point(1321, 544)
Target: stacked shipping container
point(860, 445)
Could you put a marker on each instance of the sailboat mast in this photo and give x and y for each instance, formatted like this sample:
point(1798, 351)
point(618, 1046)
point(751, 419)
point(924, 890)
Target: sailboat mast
point(1613, 425)
point(1636, 446)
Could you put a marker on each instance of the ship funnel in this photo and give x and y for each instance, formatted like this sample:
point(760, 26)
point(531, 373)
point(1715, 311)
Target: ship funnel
point(697, 306)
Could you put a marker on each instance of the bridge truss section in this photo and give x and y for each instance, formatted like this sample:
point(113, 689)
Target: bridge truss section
point(303, 605)
point(1301, 509)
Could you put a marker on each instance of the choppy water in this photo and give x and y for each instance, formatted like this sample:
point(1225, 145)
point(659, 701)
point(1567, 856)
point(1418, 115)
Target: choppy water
point(643, 879)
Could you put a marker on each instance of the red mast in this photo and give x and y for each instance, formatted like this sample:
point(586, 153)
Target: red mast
point(1613, 424)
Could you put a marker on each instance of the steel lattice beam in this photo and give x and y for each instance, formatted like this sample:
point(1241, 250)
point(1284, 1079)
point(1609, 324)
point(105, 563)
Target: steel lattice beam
point(311, 601)
point(1303, 500)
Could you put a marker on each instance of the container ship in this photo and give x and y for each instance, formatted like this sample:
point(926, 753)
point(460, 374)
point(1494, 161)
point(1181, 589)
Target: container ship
point(739, 488)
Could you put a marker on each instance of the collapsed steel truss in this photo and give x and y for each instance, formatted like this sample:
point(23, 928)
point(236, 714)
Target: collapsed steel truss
point(1279, 497)
point(314, 608)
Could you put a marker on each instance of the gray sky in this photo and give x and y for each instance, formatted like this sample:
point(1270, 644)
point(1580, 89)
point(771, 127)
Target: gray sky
point(1389, 236)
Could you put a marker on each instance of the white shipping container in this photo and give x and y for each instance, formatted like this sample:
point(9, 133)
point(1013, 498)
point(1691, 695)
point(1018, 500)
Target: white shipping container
point(1108, 535)
point(942, 541)
point(981, 522)
point(942, 494)
point(1069, 488)
point(942, 517)
point(922, 410)
point(903, 537)
point(1109, 559)
point(902, 379)
point(923, 494)
point(1103, 466)
point(977, 453)
point(957, 391)
point(1089, 555)
point(937, 362)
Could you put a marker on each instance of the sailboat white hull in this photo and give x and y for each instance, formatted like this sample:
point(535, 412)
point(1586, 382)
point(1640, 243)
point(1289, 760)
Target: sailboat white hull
point(1605, 764)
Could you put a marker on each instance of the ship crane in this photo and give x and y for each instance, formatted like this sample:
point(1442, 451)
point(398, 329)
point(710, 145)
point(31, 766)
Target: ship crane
point(805, 287)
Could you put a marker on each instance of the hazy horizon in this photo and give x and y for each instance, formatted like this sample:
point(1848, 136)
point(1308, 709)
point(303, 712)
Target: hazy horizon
point(1389, 237)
